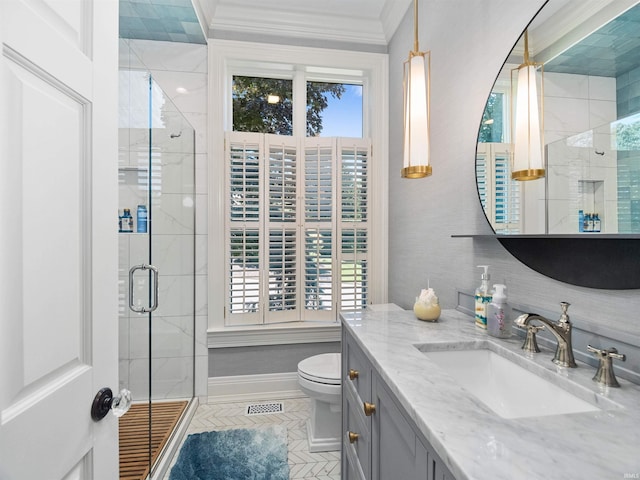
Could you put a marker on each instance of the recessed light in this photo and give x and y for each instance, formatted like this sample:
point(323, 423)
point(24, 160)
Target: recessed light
point(273, 98)
point(182, 90)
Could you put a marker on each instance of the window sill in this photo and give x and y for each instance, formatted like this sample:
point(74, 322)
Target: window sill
point(274, 334)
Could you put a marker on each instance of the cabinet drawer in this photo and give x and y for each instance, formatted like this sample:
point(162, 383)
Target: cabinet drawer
point(350, 463)
point(360, 449)
point(358, 371)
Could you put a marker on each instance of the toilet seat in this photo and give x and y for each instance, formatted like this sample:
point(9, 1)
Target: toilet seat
point(323, 368)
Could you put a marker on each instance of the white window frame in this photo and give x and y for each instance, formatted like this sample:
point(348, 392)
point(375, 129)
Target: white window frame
point(228, 58)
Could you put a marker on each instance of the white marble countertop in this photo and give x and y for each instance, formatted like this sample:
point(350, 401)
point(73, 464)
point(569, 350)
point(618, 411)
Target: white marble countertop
point(472, 440)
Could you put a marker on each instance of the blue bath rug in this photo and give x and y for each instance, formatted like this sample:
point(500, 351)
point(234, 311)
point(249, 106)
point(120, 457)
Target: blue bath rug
point(243, 454)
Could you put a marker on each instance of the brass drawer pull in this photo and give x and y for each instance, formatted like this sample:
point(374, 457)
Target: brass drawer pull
point(353, 374)
point(353, 437)
point(369, 409)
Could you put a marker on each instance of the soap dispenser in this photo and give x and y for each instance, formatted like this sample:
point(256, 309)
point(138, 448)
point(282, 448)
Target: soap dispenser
point(498, 313)
point(482, 298)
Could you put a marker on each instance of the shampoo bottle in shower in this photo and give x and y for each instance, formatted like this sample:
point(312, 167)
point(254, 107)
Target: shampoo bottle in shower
point(141, 219)
point(127, 221)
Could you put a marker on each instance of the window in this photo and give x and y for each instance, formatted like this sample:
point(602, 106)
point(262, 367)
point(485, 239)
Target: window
point(262, 105)
point(298, 227)
point(500, 196)
point(492, 128)
point(334, 109)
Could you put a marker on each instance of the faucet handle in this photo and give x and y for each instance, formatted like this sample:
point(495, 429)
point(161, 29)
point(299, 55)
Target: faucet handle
point(530, 343)
point(607, 352)
point(605, 374)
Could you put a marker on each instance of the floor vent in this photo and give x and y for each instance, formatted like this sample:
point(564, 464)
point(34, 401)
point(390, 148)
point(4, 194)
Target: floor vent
point(264, 408)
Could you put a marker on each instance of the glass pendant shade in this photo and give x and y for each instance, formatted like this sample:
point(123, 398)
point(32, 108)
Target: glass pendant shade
point(528, 159)
point(416, 116)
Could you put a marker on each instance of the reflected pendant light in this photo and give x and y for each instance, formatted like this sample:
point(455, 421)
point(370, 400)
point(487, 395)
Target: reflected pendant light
point(416, 89)
point(528, 160)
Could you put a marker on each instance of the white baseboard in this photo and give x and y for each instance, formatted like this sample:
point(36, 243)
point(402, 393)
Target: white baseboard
point(240, 388)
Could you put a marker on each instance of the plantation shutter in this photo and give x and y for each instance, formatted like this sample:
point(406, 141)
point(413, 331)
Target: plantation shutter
point(353, 253)
point(507, 198)
point(297, 227)
point(319, 228)
point(244, 153)
point(281, 275)
point(482, 177)
point(499, 194)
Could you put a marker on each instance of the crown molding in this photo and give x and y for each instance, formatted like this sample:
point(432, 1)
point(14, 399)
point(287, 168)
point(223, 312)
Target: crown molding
point(373, 23)
point(297, 25)
point(392, 14)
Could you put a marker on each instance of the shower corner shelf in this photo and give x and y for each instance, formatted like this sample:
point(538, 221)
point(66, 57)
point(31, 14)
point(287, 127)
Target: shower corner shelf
point(130, 168)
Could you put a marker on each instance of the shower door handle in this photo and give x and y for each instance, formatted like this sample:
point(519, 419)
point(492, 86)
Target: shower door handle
point(154, 305)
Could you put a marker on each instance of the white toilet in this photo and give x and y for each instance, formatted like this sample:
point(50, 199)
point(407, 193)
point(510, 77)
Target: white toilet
point(319, 378)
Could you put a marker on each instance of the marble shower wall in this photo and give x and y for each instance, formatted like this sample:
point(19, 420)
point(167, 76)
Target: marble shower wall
point(628, 89)
point(578, 178)
point(178, 109)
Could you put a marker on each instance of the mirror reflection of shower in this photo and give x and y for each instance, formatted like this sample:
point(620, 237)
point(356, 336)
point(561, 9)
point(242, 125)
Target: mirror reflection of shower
point(591, 127)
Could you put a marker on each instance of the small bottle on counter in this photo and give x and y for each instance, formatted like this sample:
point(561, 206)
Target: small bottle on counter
point(482, 298)
point(498, 313)
point(597, 224)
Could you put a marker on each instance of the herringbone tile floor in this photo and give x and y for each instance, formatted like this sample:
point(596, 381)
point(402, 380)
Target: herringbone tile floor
point(302, 463)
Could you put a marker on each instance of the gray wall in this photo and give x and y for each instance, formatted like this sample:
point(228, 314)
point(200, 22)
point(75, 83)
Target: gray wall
point(469, 41)
point(264, 359)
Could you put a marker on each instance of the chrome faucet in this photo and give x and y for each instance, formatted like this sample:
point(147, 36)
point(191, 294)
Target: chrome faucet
point(560, 329)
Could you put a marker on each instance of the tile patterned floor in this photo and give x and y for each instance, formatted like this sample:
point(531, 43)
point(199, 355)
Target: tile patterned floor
point(302, 463)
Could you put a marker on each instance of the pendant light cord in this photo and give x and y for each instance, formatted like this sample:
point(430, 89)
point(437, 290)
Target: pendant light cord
point(415, 26)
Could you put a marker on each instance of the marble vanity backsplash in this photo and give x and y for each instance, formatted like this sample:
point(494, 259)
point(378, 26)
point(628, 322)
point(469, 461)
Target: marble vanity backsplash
point(585, 332)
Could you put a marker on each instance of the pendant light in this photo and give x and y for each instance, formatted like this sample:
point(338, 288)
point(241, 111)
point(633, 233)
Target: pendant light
point(528, 159)
point(417, 86)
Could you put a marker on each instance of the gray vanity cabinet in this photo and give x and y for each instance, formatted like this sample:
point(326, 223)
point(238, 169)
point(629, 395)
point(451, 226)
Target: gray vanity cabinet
point(356, 390)
point(385, 444)
point(397, 452)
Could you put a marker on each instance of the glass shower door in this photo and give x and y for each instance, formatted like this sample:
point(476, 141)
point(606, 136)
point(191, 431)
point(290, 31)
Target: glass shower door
point(134, 251)
point(156, 224)
point(172, 249)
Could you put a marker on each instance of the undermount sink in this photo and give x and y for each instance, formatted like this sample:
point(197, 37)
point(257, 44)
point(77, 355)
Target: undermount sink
point(509, 389)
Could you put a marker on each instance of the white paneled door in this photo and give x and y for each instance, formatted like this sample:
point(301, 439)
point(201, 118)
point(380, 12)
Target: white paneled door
point(58, 244)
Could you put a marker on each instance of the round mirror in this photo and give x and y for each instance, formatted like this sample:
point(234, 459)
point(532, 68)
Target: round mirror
point(558, 157)
point(559, 141)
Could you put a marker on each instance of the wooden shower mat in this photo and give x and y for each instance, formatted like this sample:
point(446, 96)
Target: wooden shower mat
point(134, 436)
